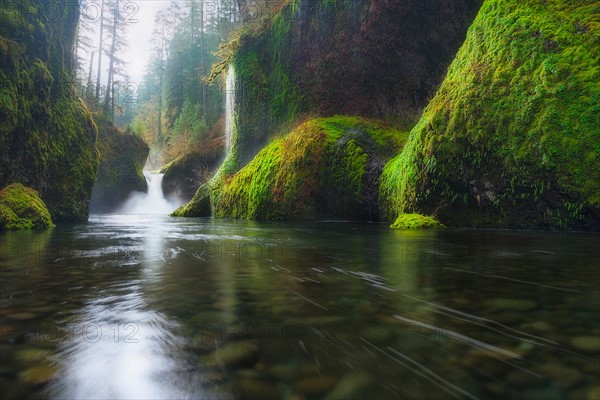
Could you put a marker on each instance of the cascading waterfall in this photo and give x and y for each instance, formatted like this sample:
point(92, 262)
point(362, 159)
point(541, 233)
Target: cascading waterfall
point(153, 202)
point(229, 107)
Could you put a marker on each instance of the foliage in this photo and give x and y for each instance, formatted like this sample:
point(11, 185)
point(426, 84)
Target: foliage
point(416, 221)
point(512, 137)
point(22, 208)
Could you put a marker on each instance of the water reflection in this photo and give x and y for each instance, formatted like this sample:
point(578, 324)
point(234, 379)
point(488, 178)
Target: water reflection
point(154, 307)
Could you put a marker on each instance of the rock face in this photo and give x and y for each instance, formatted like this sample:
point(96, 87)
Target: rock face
point(511, 138)
point(184, 175)
point(379, 59)
point(122, 159)
point(325, 168)
point(47, 136)
point(21, 208)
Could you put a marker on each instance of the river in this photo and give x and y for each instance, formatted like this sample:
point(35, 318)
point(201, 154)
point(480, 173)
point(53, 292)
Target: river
point(147, 306)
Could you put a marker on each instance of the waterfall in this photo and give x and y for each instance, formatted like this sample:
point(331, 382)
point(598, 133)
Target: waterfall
point(153, 202)
point(229, 106)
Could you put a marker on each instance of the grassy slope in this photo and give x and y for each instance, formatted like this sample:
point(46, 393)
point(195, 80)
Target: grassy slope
point(512, 136)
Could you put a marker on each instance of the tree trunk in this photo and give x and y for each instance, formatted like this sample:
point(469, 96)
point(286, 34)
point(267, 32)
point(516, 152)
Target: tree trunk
point(202, 61)
point(89, 89)
point(99, 72)
point(111, 68)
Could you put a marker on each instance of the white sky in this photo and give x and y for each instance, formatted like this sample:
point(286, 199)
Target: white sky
point(139, 15)
point(139, 35)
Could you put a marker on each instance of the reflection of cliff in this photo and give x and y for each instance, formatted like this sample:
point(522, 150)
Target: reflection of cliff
point(47, 136)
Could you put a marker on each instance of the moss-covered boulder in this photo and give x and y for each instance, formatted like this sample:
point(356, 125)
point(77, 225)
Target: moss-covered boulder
point(199, 206)
point(22, 208)
point(47, 136)
point(512, 137)
point(416, 221)
point(121, 170)
point(325, 168)
point(185, 174)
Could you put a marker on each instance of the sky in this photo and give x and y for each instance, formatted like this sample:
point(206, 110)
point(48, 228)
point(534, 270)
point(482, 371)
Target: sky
point(137, 56)
point(139, 15)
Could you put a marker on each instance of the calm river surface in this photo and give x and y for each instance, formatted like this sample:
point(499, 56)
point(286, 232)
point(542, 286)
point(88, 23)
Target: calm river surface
point(134, 306)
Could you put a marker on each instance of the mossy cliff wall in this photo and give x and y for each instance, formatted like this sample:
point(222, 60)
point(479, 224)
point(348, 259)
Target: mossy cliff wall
point(121, 169)
point(376, 58)
point(512, 138)
point(47, 137)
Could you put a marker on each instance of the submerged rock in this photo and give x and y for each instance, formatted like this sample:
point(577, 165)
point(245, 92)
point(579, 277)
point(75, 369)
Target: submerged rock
point(511, 304)
point(255, 389)
point(315, 385)
point(22, 208)
point(589, 344)
point(39, 374)
point(350, 386)
point(235, 354)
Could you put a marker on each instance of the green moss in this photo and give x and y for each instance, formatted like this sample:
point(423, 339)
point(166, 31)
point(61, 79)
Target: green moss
point(47, 136)
point(325, 168)
point(512, 138)
point(416, 221)
point(199, 206)
point(22, 208)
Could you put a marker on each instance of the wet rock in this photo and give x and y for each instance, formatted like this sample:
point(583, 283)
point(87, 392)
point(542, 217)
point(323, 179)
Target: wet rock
point(590, 344)
point(255, 389)
point(350, 386)
point(231, 355)
point(511, 304)
point(39, 374)
point(315, 385)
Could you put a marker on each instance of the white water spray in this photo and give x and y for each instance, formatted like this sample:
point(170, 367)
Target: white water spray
point(153, 202)
point(229, 107)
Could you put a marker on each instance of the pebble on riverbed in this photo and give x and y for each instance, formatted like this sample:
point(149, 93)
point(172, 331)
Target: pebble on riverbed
point(350, 386)
point(235, 354)
point(255, 389)
point(589, 344)
point(39, 375)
